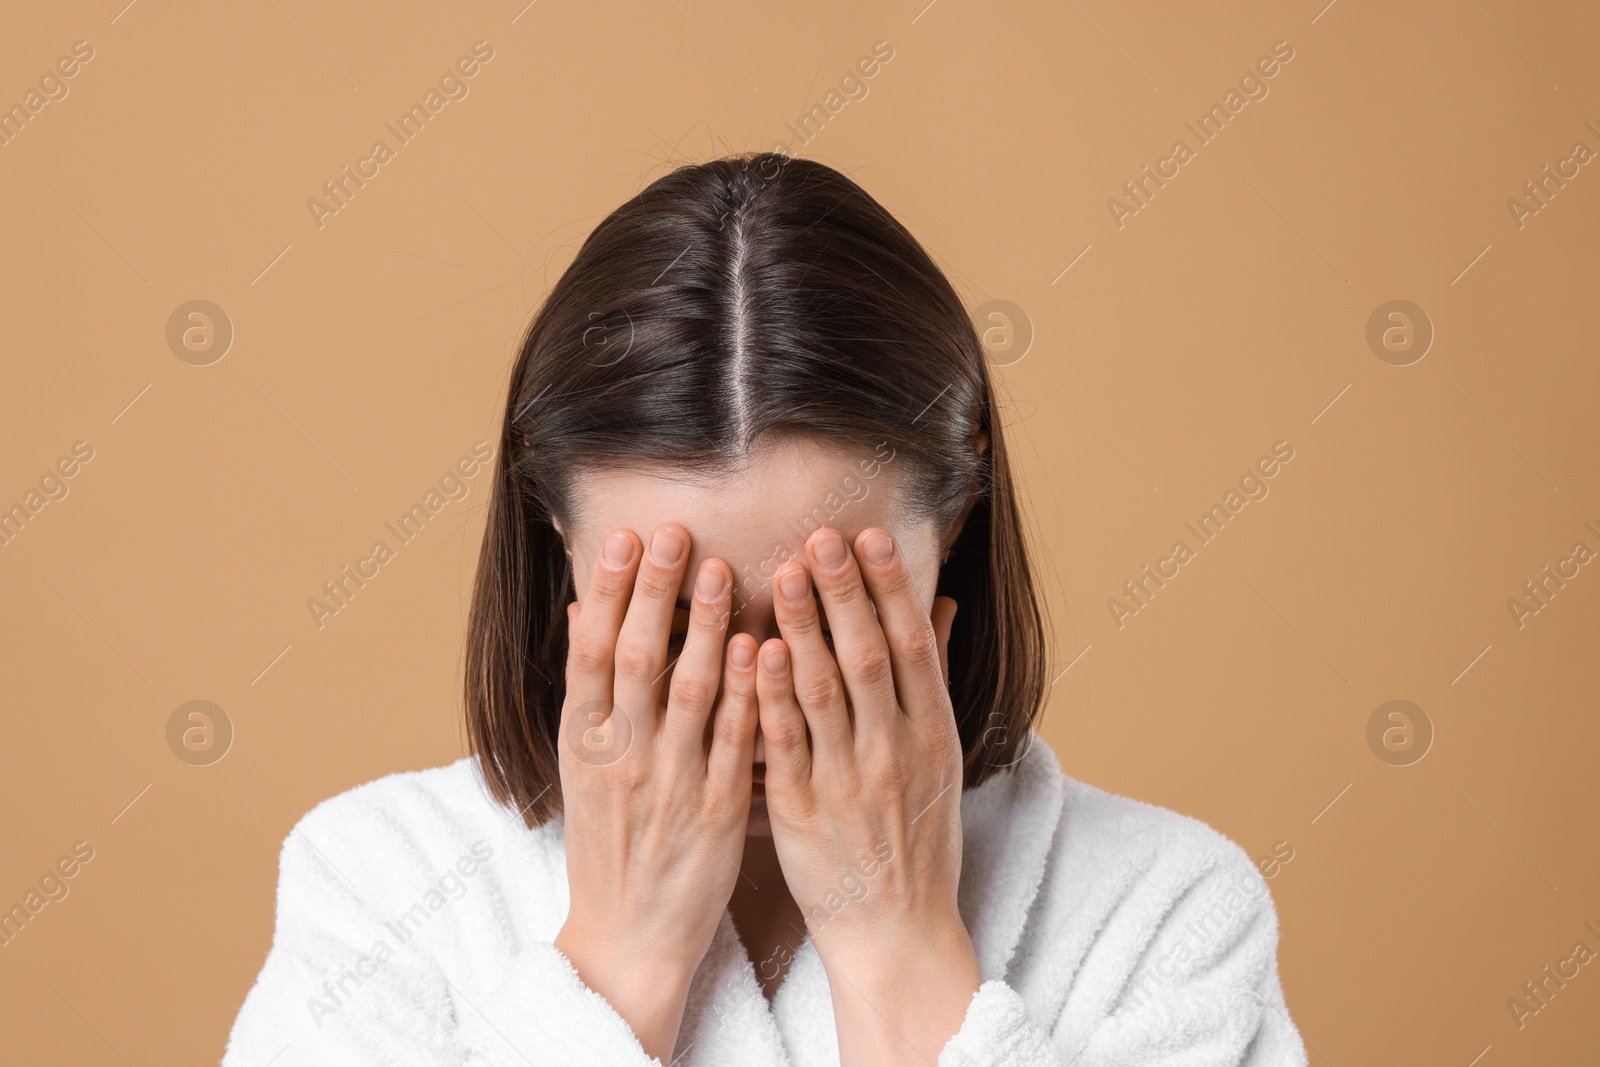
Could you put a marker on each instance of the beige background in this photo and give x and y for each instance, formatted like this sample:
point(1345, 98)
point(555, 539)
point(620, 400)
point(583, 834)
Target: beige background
point(1229, 313)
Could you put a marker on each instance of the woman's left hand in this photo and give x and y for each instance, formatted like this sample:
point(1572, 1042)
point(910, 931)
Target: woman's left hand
point(866, 817)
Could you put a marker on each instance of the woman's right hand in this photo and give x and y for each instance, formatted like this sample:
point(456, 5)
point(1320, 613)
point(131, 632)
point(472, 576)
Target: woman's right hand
point(654, 823)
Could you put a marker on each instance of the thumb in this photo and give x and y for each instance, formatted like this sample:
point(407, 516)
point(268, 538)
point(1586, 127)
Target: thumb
point(943, 617)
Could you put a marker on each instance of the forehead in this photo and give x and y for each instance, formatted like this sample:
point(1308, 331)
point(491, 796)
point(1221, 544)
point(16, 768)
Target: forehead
point(757, 516)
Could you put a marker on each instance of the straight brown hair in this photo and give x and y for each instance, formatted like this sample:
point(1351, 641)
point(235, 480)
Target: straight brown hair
point(753, 298)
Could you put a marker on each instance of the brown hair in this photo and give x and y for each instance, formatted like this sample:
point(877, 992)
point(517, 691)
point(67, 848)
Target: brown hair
point(752, 298)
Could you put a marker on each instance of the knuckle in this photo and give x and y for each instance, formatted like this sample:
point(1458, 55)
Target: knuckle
point(893, 775)
point(802, 623)
point(606, 584)
point(803, 808)
point(707, 619)
point(922, 645)
point(847, 592)
point(631, 775)
point(586, 655)
point(692, 691)
point(818, 692)
point(873, 664)
point(733, 723)
point(712, 804)
point(896, 582)
point(723, 799)
point(787, 735)
point(636, 663)
point(657, 584)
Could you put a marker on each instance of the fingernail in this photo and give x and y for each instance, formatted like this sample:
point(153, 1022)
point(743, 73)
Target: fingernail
point(619, 549)
point(665, 547)
point(709, 584)
point(829, 547)
point(793, 584)
point(743, 655)
point(776, 659)
point(878, 549)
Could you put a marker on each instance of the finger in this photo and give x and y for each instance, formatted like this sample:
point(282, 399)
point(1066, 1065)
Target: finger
point(783, 724)
point(733, 740)
point(592, 633)
point(815, 681)
point(697, 671)
point(914, 644)
point(641, 655)
point(859, 646)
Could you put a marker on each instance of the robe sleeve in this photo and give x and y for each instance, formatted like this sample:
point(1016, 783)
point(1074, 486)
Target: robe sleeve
point(349, 981)
point(1197, 983)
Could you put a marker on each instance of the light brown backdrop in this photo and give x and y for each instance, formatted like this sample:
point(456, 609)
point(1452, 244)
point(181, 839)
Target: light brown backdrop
point(1228, 313)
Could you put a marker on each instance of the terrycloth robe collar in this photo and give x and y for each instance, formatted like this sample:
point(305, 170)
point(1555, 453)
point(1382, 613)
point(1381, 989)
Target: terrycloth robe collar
point(1008, 824)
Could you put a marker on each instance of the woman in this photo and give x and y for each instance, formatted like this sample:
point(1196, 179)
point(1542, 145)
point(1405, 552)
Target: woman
point(744, 789)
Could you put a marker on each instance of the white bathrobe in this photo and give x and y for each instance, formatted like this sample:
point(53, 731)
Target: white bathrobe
point(415, 922)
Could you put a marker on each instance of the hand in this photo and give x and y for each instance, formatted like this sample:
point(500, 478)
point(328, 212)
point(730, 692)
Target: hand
point(866, 818)
point(654, 823)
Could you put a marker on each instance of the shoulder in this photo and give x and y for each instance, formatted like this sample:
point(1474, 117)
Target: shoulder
point(1054, 864)
point(1103, 837)
point(403, 824)
point(1124, 872)
point(1151, 918)
point(1141, 836)
point(1125, 882)
point(405, 800)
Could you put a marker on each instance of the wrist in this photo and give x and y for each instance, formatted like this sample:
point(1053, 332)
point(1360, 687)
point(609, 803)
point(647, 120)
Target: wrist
point(647, 990)
point(903, 1001)
point(637, 964)
point(891, 955)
